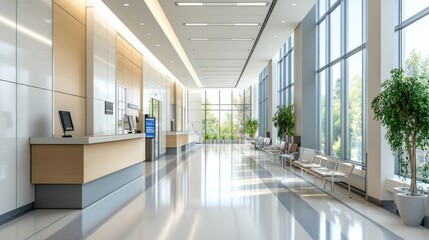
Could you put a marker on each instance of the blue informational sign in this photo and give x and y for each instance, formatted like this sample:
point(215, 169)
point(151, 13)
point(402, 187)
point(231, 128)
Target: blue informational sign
point(150, 127)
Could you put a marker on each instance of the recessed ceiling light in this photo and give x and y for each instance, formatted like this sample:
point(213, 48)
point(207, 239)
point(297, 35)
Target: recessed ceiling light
point(221, 39)
point(275, 36)
point(283, 21)
point(293, 4)
point(221, 24)
point(222, 4)
point(157, 45)
point(141, 24)
point(149, 34)
point(171, 62)
point(126, 4)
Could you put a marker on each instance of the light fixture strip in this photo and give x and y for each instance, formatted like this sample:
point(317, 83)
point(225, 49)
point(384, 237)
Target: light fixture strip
point(221, 24)
point(156, 10)
point(221, 4)
point(221, 39)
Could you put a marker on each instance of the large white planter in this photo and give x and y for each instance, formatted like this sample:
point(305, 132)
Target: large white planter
point(397, 190)
point(411, 208)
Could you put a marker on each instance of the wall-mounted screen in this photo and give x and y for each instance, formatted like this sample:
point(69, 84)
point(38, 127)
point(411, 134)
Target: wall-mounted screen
point(150, 127)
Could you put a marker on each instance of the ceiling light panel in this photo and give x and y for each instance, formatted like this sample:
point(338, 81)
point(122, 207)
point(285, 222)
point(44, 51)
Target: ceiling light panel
point(222, 4)
point(221, 39)
point(221, 50)
point(221, 24)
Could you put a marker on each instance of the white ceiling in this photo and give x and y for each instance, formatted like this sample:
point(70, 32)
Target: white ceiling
point(219, 62)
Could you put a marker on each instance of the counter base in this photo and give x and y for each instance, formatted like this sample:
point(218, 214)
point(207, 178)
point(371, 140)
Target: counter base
point(79, 196)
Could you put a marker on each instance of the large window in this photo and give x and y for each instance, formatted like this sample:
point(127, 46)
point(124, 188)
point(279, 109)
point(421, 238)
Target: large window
point(224, 112)
point(341, 77)
point(263, 102)
point(285, 74)
point(413, 48)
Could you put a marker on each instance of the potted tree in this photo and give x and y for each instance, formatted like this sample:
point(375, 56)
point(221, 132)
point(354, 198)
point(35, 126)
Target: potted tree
point(284, 121)
point(403, 108)
point(207, 137)
point(222, 137)
point(214, 137)
point(251, 127)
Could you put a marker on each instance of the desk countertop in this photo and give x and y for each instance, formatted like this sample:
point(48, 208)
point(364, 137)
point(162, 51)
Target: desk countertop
point(85, 140)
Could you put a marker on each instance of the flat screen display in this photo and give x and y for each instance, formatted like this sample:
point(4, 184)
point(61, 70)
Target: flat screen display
point(66, 121)
point(150, 127)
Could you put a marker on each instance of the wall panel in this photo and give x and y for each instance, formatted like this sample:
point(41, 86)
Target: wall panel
point(100, 46)
point(34, 54)
point(100, 119)
point(8, 41)
point(34, 119)
point(75, 8)
point(7, 146)
point(69, 54)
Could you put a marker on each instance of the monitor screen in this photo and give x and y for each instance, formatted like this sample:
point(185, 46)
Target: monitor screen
point(66, 121)
point(131, 122)
point(150, 127)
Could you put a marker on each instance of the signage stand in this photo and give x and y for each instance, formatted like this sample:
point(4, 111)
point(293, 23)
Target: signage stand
point(150, 127)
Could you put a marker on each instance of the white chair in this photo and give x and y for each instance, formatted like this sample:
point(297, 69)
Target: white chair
point(342, 174)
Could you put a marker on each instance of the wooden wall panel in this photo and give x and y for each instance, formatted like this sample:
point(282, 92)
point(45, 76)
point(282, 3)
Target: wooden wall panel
point(57, 164)
point(137, 85)
point(120, 44)
point(137, 58)
point(179, 95)
point(128, 78)
point(129, 71)
point(76, 106)
point(103, 159)
point(69, 54)
point(75, 8)
point(120, 68)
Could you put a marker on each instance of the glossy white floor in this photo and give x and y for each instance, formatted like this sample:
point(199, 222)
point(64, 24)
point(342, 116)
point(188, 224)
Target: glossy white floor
point(217, 192)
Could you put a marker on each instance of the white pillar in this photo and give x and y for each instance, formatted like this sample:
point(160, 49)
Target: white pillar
point(380, 60)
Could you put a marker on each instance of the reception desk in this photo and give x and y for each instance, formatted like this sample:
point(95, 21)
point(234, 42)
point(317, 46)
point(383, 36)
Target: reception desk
point(75, 172)
point(179, 141)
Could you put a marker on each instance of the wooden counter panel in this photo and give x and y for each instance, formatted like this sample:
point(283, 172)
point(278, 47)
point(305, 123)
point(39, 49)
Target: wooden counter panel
point(106, 158)
point(57, 164)
point(174, 141)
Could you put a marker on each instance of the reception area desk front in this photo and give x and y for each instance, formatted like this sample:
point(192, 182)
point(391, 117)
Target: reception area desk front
point(76, 172)
point(179, 141)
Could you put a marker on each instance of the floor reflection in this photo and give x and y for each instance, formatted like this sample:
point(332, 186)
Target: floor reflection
point(221, 191)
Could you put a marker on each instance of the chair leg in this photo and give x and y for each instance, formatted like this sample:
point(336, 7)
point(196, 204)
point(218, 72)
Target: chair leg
point(332, 188)
point(350, 194)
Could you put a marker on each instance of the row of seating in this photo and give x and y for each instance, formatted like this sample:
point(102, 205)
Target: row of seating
point(326, 168)
point(281, 149)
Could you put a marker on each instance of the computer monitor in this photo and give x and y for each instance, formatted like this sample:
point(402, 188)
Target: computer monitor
point(129, 123)
point(66, 122)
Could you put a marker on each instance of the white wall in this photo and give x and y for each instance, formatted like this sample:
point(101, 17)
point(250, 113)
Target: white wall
point(195, 108)
point(101, 72)
point(25, 94)
point(380, 61)
point(297, 101)
point(156, 85)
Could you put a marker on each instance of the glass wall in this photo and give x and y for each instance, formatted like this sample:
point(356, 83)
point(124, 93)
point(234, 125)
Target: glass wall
point(341, 31)
point(285, 74)
point(413, 47)
point(263, 102)
point(224, 112)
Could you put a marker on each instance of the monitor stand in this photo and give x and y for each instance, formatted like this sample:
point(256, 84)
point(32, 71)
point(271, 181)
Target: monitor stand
point(66, 136)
